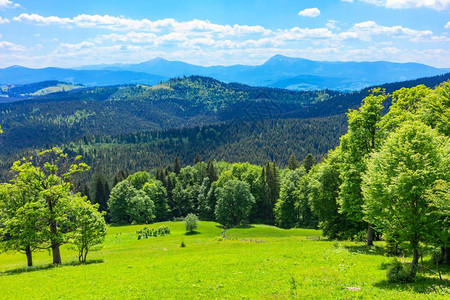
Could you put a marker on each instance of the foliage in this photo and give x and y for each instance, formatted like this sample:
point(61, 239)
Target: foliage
point(127, 205)
point(145, 232)
point(234, 202)
point(396, 182)
point(191, 222)
point(21, 222)
point(286, 215)
point(89, 229)
point(397, 273)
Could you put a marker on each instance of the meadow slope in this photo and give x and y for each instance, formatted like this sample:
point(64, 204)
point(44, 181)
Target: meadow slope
point(256, 262)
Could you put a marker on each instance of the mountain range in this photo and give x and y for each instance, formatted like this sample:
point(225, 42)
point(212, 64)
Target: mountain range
point(279, 71)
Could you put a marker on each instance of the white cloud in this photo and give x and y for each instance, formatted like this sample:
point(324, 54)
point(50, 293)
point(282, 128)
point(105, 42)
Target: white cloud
point(404, 4)
point(365, 30)
point(8, 4)
point(332, 24)
point(347, 1)
point(124, 24)
point(309, 12)
point(8, 46)
point(447, 26)
point(4, 20)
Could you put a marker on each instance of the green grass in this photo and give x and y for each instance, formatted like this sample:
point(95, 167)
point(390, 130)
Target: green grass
point(256, 262)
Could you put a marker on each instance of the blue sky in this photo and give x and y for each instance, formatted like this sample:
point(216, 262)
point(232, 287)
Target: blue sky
point(73, 33)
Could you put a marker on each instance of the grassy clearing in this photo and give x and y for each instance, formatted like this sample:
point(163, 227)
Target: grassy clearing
point(255, 262)
point(61, 87)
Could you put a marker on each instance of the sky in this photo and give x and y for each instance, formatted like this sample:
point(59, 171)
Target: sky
point(217, 32)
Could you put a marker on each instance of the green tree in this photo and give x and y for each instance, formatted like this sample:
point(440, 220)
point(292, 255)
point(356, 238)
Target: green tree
point(356, 145)
point(21, 222)
point(140, 178)
point(89, 229)
point(397, 180)
point(293, 162)
point(156, 191)
point(127, 205)
point(191, 222)
point(308, 162)
point(177, 165)
point(286, 216)
point(323, 186)
point(101, 191)
point(234, 202)
point(49, 181)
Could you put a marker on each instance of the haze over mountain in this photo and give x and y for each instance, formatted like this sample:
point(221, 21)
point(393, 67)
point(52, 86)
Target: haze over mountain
point(279, 71)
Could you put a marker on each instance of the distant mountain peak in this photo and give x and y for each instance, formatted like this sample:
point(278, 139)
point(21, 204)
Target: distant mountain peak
point(278, 58)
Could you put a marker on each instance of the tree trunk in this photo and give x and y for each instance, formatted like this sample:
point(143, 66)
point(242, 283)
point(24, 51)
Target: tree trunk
point(414, 263)
point(29, 256)
point(445, 252)
point(56, 253)
point(54, 244)
point(370, 235)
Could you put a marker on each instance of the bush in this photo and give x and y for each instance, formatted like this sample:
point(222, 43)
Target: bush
point(397, 273)
point(145, 232)
point(191, 222)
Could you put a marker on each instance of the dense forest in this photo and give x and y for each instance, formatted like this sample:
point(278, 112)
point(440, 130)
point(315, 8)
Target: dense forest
point(62, 117)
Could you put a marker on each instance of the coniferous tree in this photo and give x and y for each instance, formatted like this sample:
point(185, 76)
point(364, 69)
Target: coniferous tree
point(177, 166)
point(293, 162)
point(197, 159)
point(211, 172)
point(308, 162)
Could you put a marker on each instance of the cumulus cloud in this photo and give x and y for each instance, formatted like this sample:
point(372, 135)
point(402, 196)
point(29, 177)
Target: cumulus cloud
point(4, 20)
point(447, 26)
point(365, 30)
point(8, 4)
point(8, 46)
point(125, 24)
point(309, 12)
point(404, 4)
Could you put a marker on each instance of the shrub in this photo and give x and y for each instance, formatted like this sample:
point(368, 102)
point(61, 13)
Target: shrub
point(145, 232)
point(191, 222)
point(397, 273)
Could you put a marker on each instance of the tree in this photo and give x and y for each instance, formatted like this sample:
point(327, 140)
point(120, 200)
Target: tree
point(286, 216)
point(293, 162)
point(197, 159)
point(101, 191)
point(49, 183)
point(156, 191)
point(397, 180)
point(21, 223)
point(191, 222)
point(90, 227)
point(234, 202)
point(127, 204)
point(177, 165)
point(323, 189)
point(356, 145)
point(308, 162)
point(140, 178)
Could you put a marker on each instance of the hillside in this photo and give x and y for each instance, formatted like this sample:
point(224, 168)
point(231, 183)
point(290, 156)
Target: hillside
point(255, 262)
point(61, 117)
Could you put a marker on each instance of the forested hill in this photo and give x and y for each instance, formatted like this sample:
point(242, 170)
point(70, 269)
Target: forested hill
point(60, 117)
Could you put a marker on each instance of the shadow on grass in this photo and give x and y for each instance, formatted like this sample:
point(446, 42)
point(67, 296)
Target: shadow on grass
point(421, 285)
point(364, 249)
point(192, 232)
point(243, 226)
point(48, 267)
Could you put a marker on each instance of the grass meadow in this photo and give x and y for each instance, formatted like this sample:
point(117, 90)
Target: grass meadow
point(257, 262)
